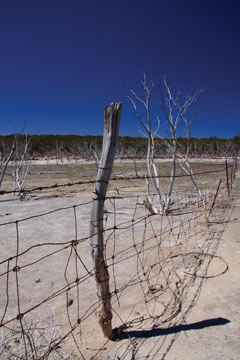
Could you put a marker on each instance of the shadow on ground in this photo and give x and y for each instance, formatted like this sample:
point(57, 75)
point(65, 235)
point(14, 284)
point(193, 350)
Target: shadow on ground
point(171, 330)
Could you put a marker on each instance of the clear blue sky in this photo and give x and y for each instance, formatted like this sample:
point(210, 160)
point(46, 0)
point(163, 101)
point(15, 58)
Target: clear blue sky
point(62, 61)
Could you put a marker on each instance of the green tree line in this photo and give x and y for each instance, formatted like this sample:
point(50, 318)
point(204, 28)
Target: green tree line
point(80, 146)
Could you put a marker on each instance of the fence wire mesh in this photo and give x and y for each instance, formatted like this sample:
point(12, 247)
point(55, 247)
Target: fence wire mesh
point(157, 265)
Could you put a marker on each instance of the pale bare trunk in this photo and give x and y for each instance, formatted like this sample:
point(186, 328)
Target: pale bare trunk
point(170, 187)
point(153, 173)
point(6, 162)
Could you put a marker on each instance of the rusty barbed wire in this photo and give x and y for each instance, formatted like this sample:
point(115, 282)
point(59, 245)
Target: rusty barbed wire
point(115, 178)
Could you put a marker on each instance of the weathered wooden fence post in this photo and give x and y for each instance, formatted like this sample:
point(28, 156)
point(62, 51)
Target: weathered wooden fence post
point(112, 116)
point(214, 199)
point(227, 180)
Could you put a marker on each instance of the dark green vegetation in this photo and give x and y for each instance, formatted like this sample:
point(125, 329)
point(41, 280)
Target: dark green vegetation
point(76, 146)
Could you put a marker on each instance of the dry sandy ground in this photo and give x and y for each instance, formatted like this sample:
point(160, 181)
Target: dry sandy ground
point(211, 330)
point(215, 338)
point(45, 174)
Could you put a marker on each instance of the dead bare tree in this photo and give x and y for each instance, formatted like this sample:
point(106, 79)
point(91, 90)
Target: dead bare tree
point(173, 117)
point(96, 153)
point(150, 134)
point(174, 113)
point(184, 158)
point(134, 152)
point(20, 157)
point(4, 161)
point(59, 154)
point(21, 164)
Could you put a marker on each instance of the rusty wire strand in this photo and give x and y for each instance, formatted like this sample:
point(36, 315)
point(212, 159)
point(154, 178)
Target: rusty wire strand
point(115, 178)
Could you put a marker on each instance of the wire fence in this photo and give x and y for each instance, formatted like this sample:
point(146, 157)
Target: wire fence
point(229, 168)
point(157, 266)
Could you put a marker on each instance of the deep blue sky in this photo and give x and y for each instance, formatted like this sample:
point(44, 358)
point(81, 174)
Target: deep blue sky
point(62, 61)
